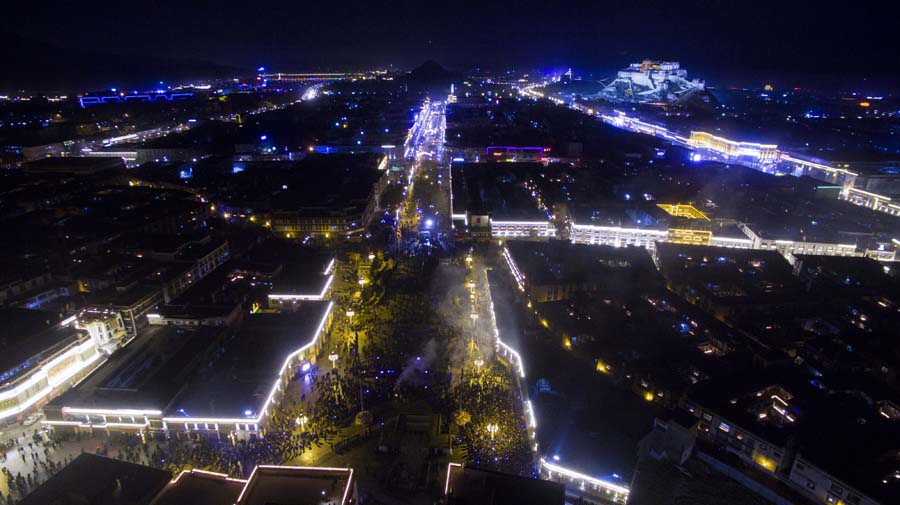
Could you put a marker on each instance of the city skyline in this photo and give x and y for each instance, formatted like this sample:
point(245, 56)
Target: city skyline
point(734, 44)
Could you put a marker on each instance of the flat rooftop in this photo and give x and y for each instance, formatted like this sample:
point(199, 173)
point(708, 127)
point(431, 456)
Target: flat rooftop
point(729, 274)
point(303, 273)
point(564, 262)
point(197, 487)
point(472, 486)
point(96, 480)
point(147, 374)
point(241, 378)
point(329, 181)
point(286, 485)
point(495, 189)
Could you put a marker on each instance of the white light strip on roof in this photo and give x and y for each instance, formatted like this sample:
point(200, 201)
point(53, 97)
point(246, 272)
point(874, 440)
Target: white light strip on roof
point(112, 412)
point(617, 229)
point(520, 223)
point(244, 489)
point(317, 297)
point(518, 359)
point(329, 267)
point(349, 471)
point(447, 481)
point(576, 475)
point(520, 279)
point(205, 472)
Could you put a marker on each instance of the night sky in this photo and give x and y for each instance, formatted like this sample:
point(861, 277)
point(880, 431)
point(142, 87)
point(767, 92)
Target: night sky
point(728, 38)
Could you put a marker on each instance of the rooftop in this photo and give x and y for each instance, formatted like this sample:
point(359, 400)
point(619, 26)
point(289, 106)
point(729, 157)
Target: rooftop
point(473, 486)
point(96, 480)
point(287, 485)
point(147, 374)
point(329, 181)
point(728, 274)
point(563, 262)
point(241, 378)
point(197, 487)
point(494, 189)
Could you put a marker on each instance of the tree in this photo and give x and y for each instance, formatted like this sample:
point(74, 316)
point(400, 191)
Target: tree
point(461, 418)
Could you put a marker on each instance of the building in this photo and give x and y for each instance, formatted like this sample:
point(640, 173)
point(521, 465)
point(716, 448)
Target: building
point(651, 82)
point(189, 262)
point(555, 271)
point(200, 487)
point(490, 200)
point(73, 166)
point(300, 485)
point(328, 196)
point(787, 433)
point(757, 154)
point(100, 480)
point(473, 486)
point(96, 479)
point(307, 278)
point(771, 240)
point(196, 380)
point(41, 357)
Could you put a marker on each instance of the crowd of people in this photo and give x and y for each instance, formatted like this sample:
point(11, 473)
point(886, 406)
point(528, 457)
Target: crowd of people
point(295, 426)
point(491, 400)
point(42, 450)
point(395, 364)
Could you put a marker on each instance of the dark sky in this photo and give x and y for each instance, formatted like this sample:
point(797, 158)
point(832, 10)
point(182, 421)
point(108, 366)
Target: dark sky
point(731, 37)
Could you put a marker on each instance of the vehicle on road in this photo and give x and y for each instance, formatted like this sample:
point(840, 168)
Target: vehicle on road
point(33, 418)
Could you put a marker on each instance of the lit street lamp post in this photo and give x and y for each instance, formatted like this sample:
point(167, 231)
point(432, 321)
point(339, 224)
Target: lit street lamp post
point(492, 429)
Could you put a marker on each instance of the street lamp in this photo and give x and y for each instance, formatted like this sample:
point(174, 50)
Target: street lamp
point(371, 256)
point(492, 429)
point(332, 358)
point(471, 284)
point(478, 363)
point(301, 421)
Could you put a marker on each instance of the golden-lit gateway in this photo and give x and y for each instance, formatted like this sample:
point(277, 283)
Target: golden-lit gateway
point(689, 236)
point(683, 210)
